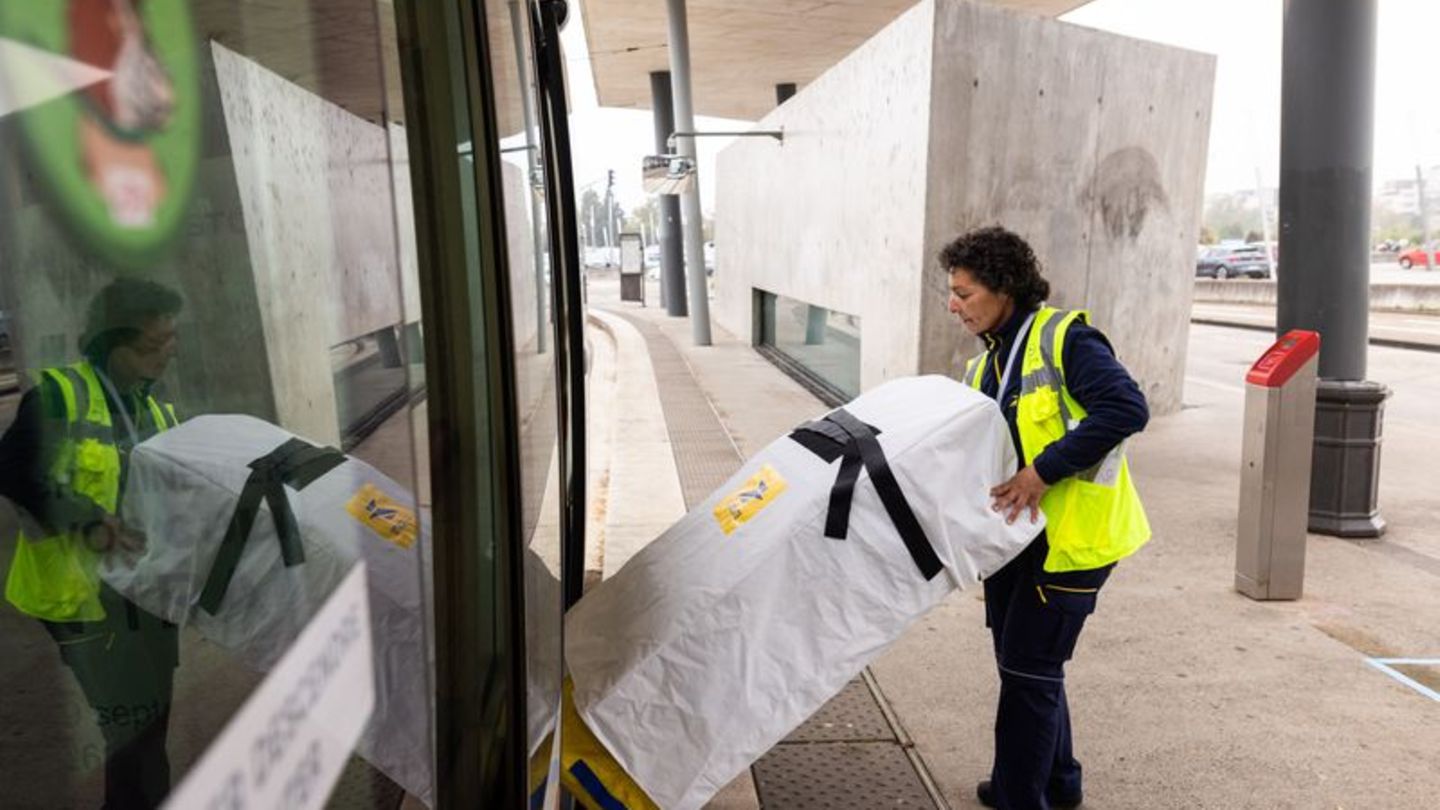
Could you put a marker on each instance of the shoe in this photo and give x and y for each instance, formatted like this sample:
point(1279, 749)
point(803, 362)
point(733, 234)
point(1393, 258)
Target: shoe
point(986, 794)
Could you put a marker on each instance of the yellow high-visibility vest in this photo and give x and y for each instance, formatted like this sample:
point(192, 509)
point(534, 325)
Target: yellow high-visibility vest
point(55, 577)
point(1095, 517)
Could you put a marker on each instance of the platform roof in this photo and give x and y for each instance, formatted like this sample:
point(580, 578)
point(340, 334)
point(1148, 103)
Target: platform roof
point(740, 49)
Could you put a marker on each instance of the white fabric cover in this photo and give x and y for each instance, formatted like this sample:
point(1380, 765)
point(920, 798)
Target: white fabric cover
point(707, 649)
point(181, 490)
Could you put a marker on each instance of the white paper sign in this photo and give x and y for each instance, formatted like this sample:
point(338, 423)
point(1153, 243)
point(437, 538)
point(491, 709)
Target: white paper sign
point(286, 747)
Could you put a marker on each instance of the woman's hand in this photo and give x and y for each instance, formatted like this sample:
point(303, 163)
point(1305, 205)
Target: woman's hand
point(110, 534)
point(1021, 492)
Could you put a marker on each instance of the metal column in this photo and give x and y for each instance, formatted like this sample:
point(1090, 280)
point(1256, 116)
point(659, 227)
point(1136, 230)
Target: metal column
point(672, 256)
point(1326, 146)
point(532, 162)
point(690, 203)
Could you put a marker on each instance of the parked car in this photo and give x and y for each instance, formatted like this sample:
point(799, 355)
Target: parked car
point(1419, 255)
point(1231, 262)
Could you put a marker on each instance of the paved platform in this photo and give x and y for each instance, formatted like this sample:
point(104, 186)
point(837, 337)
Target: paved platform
point(852, 751)
point(1185, 693)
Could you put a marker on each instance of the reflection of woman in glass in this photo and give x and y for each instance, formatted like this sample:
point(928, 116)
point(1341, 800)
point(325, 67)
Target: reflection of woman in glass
point(136, 100)
point(62, 462)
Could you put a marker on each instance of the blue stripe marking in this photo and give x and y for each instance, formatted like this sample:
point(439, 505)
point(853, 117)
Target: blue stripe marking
point(537, 799)
point(1383, 664)
point(595, 787)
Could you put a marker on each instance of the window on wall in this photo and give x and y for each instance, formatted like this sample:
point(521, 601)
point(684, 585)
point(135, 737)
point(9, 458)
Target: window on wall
point(820, 347)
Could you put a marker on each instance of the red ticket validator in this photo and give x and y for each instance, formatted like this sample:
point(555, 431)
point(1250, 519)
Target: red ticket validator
point(1280, 362)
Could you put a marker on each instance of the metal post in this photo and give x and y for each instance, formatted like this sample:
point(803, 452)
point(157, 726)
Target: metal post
point(816, 319)
point(690, 201)
point(611, 239)
point(672, 257)
point(537, 205)
point(1326, 144)
point(783, 92)
point(1424, 214)
point(1264, 219)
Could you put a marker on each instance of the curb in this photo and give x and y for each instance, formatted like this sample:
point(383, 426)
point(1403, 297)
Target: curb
point(1388, 343)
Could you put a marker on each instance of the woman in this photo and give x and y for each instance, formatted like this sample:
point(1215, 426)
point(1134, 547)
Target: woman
point(1070, 406)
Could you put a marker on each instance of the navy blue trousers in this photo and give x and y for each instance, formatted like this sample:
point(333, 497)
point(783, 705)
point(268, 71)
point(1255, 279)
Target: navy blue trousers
point(1035, 618)
point(125, 665)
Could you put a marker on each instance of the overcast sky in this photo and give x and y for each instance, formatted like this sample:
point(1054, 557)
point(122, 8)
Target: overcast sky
point(1245, 36)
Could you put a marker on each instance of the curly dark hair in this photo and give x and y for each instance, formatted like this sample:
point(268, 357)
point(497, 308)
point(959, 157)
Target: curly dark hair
point(1000, 260)
point(119, 312)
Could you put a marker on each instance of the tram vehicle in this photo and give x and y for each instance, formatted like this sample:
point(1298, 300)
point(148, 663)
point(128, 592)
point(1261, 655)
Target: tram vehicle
point(360, 220)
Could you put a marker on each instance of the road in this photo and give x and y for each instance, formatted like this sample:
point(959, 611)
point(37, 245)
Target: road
point(1390, 273)
point(1400, 329)
point(1215, 369)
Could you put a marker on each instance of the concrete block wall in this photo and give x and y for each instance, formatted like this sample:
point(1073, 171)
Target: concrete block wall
point(833, 215)
point(315, 183)
point(1417, 298)
point(300, 237)
point(48, 277)
point(1090, 145)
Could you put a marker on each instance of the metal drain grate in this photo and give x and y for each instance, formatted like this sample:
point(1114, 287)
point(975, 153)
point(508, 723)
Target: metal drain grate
point(851, 716)
point(842, 776)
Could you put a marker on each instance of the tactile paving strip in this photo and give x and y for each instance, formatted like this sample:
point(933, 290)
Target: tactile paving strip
point(704, 455)
point(842, 776)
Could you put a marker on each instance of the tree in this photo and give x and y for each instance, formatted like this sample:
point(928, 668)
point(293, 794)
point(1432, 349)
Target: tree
point(1207, 236)
point(592, 215)
point(1388, 225)
point(1228, 217)
point(646, 219)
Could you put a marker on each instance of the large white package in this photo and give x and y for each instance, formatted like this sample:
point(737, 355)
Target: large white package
point(182, 490)
point(723, 635)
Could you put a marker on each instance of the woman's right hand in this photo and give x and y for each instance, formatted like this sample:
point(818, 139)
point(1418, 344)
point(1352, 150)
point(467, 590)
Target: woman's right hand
point(110, 534)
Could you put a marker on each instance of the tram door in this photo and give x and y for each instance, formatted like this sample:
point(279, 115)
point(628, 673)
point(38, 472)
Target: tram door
point(346, 222)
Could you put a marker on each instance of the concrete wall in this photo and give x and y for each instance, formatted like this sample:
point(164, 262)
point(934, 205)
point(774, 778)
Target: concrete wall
point(1419, 298)
point(1090, 145)
point(834, 215)
point(47, 277)
point(520, 248)
point(315, 182)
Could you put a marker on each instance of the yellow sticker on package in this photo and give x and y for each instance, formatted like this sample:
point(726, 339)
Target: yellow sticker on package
point(385, 516)
point(740, 506)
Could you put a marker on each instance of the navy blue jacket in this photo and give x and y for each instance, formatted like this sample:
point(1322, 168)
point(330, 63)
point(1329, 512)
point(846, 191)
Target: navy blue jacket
point(1114, 406)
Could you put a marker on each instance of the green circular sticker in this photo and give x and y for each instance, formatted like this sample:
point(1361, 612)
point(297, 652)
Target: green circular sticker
point(109, 99)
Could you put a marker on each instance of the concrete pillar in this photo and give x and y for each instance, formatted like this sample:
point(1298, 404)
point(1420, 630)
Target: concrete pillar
point(690, 200)
point(672, 257)
point(815, 320)
point(783, 92)
point(387, 342)
point(1326, 147)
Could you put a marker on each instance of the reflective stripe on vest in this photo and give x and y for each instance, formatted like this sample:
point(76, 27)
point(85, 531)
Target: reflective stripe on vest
point(1095, 517)
point(54, 577)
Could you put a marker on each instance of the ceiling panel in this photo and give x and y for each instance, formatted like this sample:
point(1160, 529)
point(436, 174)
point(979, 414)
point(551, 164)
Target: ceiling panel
point(740, 49)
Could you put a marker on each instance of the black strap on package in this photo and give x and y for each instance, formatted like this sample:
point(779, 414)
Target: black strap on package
point(840, 435)
point(296, 464)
